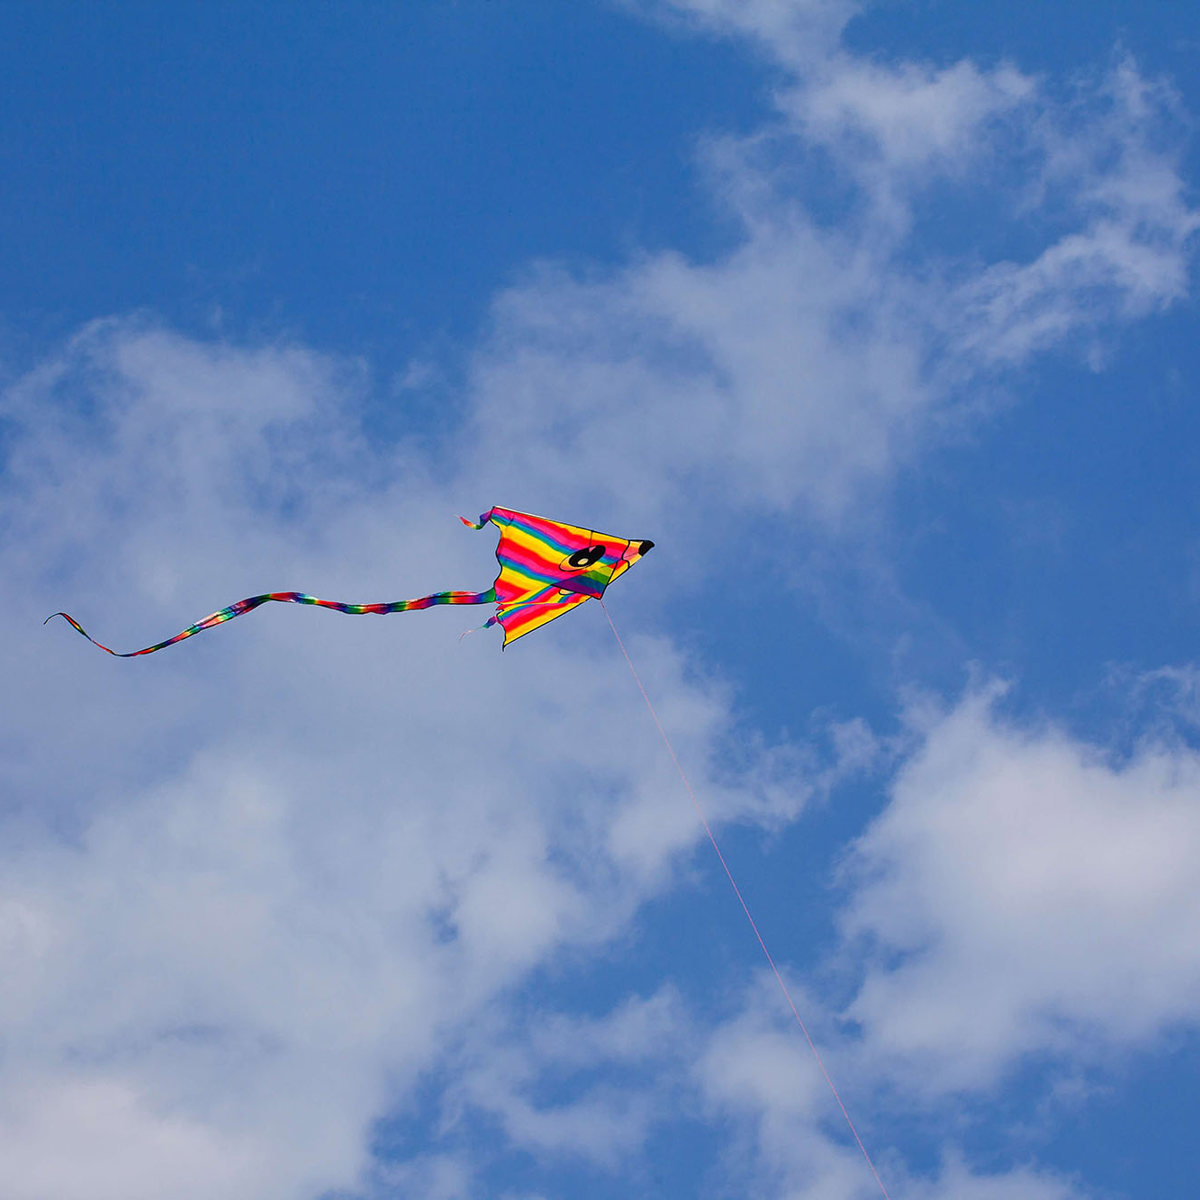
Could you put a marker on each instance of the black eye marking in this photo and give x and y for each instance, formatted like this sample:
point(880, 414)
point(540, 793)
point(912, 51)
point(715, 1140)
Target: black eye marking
point(585, 558)
point(646, 547)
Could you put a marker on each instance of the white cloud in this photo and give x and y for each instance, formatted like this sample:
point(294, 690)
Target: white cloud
point(1109, 159)
point(430, 1177)
point(103, 1138)
point(1173, 692)
point(1024, 894)
point(732, 378)
point(956, 1181)
point(250, 887)
point(795, 32)
point(909, 116)
point(800, 370)
point(602, 1118)
point(792, 1141)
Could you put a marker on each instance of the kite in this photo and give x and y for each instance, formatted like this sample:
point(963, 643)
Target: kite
point(547, 568)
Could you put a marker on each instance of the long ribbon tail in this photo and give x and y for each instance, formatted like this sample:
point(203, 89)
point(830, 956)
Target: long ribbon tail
point(252, 602)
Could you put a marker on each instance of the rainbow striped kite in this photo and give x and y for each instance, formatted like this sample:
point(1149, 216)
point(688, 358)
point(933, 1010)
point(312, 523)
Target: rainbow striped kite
point(546, 569)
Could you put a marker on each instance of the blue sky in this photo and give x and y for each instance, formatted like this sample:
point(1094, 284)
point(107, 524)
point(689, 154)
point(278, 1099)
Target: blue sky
point(879, 320)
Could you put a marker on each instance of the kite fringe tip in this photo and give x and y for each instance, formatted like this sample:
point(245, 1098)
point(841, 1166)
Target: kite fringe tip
point(52, 616)
point(483, 520)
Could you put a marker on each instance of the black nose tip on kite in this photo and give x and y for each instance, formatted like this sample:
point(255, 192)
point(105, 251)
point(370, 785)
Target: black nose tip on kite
point(645, 546)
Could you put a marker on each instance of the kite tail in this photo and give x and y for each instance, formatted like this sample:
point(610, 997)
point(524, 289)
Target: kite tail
point(252, 602)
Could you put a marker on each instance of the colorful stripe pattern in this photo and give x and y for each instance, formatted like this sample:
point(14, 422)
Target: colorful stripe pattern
point(546, 569)
point(252, 602)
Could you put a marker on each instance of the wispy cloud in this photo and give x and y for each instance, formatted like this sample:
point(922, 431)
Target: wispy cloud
point(790, 1139)
point(620, 1074)
point(805, 367)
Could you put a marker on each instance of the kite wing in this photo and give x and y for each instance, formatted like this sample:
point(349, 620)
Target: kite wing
point(546, 569)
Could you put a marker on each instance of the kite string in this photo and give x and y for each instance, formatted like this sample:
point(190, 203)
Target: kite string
point(745, 908)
